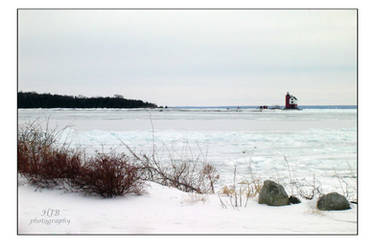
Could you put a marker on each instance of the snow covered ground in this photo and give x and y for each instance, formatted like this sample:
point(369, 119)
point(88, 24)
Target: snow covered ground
point(163, 210)
point(303, 145)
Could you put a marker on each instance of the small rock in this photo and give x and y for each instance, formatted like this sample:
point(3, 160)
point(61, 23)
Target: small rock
point(294, 200)
point(273, 194)
point(333, 201)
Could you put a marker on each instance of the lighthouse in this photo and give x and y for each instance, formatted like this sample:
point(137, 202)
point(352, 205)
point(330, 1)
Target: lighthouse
point(290, 101)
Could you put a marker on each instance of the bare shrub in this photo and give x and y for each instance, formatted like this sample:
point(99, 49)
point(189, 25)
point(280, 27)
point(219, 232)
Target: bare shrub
point(35, 136)
point(346, 187)
point(192, 174)
point(313, 188)
point(46, 165)
point(309, 190)
point(109, 176)
point(185, 176)
point(51, 167)
point(238, 194)
point(252, 188)
point(40, 161)
point(210, 173)
point(188, 175)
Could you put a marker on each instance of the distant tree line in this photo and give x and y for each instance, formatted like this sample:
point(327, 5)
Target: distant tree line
point(47, 100)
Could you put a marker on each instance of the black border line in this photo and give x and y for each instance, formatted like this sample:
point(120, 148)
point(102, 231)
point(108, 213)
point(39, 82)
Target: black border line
point(192, 234)
point(357, 125)
point(17, 122)
point(187, 8)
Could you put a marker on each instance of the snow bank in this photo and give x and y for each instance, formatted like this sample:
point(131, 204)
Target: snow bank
point(163, 210)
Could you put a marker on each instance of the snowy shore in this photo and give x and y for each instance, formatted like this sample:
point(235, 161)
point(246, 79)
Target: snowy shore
point(163, 210)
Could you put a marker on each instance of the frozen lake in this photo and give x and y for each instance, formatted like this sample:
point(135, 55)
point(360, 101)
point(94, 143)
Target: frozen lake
point(320, 143)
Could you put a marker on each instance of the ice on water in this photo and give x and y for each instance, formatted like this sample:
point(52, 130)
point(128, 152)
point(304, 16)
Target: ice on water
point(320, 143)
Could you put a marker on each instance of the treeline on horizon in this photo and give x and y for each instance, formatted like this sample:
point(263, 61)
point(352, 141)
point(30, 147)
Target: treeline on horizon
point(47, 100)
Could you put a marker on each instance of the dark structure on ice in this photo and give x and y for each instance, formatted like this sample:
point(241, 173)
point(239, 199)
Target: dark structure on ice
point(290, 102)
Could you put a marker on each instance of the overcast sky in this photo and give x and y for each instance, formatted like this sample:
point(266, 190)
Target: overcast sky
point(186, 57)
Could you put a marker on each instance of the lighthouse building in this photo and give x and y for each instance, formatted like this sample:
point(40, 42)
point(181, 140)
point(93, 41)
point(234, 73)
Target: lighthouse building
point(291, 102)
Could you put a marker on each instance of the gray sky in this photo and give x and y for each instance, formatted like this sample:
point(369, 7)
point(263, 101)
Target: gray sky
point(185, 57)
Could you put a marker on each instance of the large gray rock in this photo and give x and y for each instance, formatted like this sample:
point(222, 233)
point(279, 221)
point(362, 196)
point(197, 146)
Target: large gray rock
point(273, 194)
point(333, 201)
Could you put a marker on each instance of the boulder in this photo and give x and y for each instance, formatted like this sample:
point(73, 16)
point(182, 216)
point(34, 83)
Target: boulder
point(294, 200)
point(273, 194)
point(333, 201)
